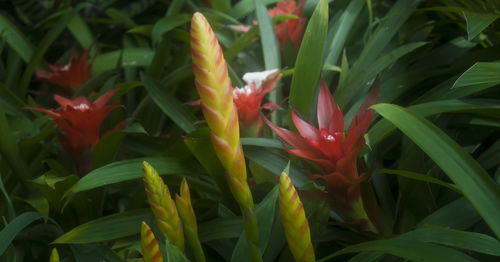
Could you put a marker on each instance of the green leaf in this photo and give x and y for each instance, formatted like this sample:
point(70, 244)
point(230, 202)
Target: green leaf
point(419, 177)
point(129, 57)
point(10, 208)
point(459, 214)
point(383, 127)
point(172, 107)
point(165, 24)
point(220, 228)
point(264, 211)
point(340, 30)
point(10, 231)
point(408, 249)
point(479, 76)
point(131, 169)
point(477, 22)
point(462, 169)
point(275, 163)
point(455, 238)
point(42, 47)
point(81, 31)
point(244, 7)
point(308, 65)
point(221, 5)
point(377, 43)
point(16, 40)
point(107, 228)
point(10, 151)
point(268, 38)
point(262, 142)
point(172, 253)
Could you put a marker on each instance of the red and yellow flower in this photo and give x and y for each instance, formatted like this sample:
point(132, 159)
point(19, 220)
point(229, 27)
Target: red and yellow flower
point(292, 28)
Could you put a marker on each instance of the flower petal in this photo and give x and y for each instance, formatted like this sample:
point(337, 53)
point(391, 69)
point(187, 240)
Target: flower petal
point(329, 115)
point(309, 132)
point(102, 100)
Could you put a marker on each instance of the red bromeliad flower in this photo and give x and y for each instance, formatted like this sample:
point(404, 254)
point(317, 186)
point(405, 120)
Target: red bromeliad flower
point(80, 122)
point(248, 100)
point(292, 28)
point(76, 73)
point(334, 151)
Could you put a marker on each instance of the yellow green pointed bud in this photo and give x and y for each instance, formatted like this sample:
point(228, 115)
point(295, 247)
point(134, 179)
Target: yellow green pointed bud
point(216, 93)
point(150, 249)
point(163, 206)
point(188, 217)
point(294, 221)
point(54, 256)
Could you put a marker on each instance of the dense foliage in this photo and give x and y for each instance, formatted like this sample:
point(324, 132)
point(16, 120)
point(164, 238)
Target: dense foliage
point(369, 130)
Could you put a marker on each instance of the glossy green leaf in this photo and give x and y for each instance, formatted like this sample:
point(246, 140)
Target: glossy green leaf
point(131, 169)
point(107, 228)
point(261, 141)
point(16, 40)
point(42, 47)
point(309, 61)
point(220, 228)
point(419, 177)
point(129, 57)
point(268, 38)
point(264, 211)
point(168, 23)
point(472, 241)
point(81, 31)
point(477, 22)
point(9, 149)
point(340, 30)
point(172, 107)
point(408, 249)
point(462, 169)
point(383, 127)
point(479, 76)
point(387, 28)
point(459, 214)
point(244, 7)
point(10, 231)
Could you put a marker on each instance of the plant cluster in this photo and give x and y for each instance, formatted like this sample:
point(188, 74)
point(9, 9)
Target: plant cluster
point(262, 130)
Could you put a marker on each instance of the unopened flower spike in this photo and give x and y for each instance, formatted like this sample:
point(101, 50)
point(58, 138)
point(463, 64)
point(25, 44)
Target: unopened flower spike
point(150, 249)
point(54, 255)
point(163, 206)
point(188, 217)
point(74, 74)
point(216, 94)
point(294, 220)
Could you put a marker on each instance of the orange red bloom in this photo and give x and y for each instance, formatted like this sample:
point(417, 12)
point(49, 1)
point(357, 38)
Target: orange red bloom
point(76, 73)
point(80, 121)
point(248, 100)
point(292, 28)
point(333, 150)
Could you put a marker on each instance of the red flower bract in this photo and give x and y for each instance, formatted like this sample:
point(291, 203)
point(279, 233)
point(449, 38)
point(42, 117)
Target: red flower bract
point(326, 146)
point(80, 121)
point(76, 73)
point(293, 28)
point(248, 99)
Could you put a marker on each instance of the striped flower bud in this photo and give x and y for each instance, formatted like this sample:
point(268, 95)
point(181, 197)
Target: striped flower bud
point(163, 206)
point(150, 249)
point(294, 221)
point(54, 256)
point(216, 93)
point(188, 217)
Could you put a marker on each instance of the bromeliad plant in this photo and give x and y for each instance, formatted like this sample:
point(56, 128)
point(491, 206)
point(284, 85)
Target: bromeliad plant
point(356, 189)
point(335, 152)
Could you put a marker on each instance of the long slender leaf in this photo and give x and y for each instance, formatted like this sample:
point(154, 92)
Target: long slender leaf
point(245, 7)
point(169, 104)
point(107, 228)
point(477, 22)
point(462, 169)
point(419, 177)
point(16, 40)
point(408, 249)
point(10, 231)
point(459, 214)
point(128, 57)
point(131, 169)
point(309, 61)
